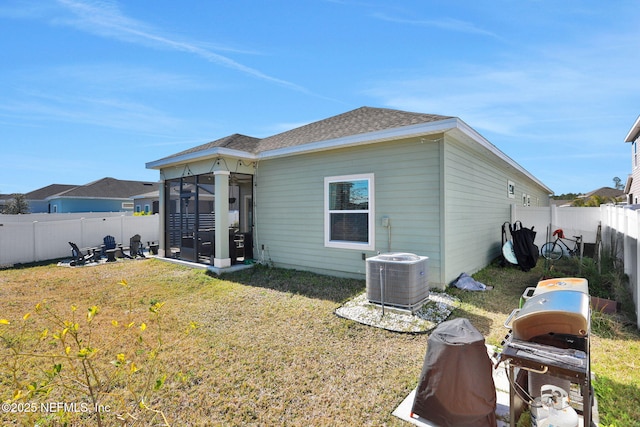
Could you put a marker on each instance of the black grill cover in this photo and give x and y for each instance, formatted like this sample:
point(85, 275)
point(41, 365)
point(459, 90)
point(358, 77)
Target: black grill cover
point(456, 384)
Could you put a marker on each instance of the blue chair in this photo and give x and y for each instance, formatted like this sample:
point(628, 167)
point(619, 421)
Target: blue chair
point(109, 248)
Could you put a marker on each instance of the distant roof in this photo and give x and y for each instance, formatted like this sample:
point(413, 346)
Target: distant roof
point(560, 202)
point(48, 191)
point(606, 192)
point(110, 188)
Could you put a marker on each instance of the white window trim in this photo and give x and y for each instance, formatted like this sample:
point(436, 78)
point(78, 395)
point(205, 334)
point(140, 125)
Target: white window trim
point(370, 245)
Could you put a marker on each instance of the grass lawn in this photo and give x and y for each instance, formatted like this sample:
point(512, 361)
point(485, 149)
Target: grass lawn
point(257, 347)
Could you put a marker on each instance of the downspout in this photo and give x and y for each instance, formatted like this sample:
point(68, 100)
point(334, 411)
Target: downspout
point(256, 239)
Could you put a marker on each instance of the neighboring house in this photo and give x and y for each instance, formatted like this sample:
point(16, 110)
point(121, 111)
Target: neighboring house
point(147, 203)
point(38, 200)
point(325, 196)
point(632, 187)
point(561, 203)
point(604, 194)
point(104, 195)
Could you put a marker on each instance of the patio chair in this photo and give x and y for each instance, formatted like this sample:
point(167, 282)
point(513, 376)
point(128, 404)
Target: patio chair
point(135, 247)
point(78, 257)
point(109, 248)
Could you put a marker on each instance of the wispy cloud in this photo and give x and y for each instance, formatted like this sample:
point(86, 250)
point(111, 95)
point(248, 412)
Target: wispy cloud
point(546, 85)
point(104, 18)
point(115, 77)
point(447, 24)
point(100, 94)
point(41, 107)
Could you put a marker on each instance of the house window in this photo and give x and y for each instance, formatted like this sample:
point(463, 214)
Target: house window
point(147, 208)
point(349, 216)
point(511, 189)
point(127, 205)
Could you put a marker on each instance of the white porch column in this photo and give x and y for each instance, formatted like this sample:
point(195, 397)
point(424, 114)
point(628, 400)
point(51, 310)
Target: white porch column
point(163, 222)
point(221, 206)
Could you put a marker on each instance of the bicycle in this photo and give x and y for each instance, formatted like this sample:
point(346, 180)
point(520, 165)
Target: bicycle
point(554, 250)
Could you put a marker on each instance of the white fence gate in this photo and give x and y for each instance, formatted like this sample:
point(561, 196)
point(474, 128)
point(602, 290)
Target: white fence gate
point(35, 237)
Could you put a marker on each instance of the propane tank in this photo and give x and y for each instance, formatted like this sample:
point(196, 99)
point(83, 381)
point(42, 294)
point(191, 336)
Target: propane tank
point(552, 409)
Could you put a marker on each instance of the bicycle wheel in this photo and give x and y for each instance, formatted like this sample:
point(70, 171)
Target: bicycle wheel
point(551, 250)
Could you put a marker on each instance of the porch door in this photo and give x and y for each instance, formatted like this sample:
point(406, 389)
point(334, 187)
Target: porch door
point(188, 219)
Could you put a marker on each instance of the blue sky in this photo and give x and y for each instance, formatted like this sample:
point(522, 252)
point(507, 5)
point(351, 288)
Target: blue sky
point(91, 88)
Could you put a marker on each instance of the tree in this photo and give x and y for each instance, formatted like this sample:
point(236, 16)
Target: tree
point(618, 183)
point(16, 205)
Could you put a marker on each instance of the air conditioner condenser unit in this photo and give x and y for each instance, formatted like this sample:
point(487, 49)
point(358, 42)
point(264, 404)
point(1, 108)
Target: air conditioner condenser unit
point(398, 279)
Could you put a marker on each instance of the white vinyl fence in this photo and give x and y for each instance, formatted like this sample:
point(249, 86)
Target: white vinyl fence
point(620, 232)
point(41, 237)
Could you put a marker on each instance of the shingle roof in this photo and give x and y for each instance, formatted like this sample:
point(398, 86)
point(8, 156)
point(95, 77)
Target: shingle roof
point(48, 191)
point(605, 192)
point(354, 122)
point(111, 188)
point(235, 142)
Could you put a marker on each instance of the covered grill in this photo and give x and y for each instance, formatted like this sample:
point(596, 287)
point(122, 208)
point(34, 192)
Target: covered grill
point(549, 344)
point(550, 313)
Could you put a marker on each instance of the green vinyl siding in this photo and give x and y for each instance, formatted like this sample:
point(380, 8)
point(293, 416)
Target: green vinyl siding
point(290, 205)
point(477, 204)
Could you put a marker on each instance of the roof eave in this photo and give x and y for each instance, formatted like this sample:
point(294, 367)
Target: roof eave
point(439, 126)
point(627, 186)
point(470, 132)
point(211, 153)
point(633, 132)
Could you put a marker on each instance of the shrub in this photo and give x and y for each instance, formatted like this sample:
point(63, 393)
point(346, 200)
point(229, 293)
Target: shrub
point(62, 366)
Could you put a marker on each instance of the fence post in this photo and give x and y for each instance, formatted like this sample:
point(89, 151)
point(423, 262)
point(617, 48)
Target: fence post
point(626, 248)
point(82, 244)
point(122, 230)
point(35, 241)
